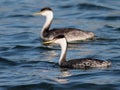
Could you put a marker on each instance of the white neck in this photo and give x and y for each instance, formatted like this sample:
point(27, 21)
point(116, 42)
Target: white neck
point(45, 28)
point(63, 44)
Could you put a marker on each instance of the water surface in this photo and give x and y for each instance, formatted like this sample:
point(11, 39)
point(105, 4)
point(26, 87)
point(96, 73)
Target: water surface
point(25, 64)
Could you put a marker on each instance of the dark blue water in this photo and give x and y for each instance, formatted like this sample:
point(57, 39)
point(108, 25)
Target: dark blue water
point(25, 64)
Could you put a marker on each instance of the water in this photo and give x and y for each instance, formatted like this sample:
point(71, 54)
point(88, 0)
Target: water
point(25, 64)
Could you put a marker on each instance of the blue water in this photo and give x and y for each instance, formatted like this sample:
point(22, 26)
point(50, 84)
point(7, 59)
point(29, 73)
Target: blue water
point(25, 64)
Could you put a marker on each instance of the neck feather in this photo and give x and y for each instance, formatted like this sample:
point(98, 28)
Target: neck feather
point(63, 44)
point(47, 24)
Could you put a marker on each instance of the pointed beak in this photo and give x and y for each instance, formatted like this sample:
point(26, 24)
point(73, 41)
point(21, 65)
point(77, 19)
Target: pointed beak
point(37, 13)
point(48, 42)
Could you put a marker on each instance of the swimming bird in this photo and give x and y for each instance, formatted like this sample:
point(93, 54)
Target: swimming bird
point(82, 63)
point(71, 34)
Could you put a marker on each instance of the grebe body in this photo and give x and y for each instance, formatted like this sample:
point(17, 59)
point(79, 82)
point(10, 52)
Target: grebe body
point(81, 63)
point(71, 34)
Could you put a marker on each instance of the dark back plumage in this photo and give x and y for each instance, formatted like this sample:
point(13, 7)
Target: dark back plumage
point(85, 63)
point(59, 36)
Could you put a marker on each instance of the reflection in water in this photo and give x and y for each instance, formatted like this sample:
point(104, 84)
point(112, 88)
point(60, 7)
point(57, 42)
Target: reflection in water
point(26, 65)
point(62, 78)
point(49, 55)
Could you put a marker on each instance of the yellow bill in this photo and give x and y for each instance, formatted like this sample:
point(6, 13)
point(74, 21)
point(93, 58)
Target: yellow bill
point(37, 13)
point(48, 42)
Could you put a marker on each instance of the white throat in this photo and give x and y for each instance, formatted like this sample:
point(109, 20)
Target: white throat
point(49, 18)
point(63, 44)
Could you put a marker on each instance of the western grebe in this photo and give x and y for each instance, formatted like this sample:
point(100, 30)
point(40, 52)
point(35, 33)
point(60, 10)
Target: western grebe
point(76, 63)
point(71, 34)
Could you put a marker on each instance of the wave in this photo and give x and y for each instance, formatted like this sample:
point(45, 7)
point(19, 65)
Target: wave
point(88, 6)
point(4, 61)
point(21, 47)
point(105, 17)
point(66, 6)
point(19, 36)
point(4, 48)
point(19, 16)
point(117, 29)
point(74, 85)
point(42, 85)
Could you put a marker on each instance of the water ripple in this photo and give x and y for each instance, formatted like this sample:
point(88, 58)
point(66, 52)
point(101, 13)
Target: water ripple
point(19, 16)
point(105, 17)
point(88, 6)
point(76, 86)
point(4, 61)
point(66, 6)
point(26, 64)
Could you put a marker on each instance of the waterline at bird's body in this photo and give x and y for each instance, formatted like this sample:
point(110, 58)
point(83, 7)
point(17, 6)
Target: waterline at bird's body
point(76, 63)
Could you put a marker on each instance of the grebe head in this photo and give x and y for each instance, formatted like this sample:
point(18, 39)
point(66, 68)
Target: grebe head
point(44, 11)
point(57, 40)
point(61, 40)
